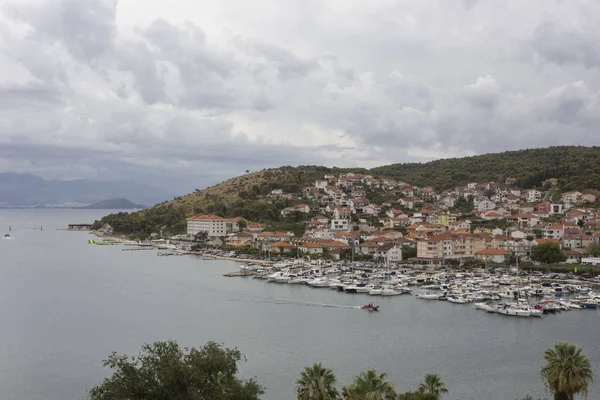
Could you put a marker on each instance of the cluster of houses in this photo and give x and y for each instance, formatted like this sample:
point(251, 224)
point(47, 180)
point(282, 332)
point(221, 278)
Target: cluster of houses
point(340, 220)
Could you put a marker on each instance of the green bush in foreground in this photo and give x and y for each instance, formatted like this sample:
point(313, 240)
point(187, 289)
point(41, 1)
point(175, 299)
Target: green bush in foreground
point(164, 371)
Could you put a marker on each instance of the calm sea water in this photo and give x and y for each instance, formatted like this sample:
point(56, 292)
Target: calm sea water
point(66, 305)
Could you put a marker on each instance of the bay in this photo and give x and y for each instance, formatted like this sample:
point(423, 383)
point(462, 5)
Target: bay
point(66, 305)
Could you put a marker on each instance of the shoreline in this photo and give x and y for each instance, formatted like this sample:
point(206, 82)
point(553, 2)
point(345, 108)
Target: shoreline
point(201, 254)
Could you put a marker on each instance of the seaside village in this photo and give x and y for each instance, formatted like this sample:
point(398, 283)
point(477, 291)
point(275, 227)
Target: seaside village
point(479, 223)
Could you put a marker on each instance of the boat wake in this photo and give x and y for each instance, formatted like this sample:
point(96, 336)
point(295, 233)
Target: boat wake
point(312, 304)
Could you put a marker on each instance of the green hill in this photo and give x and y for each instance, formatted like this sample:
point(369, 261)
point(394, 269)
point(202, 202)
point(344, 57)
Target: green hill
point(241, 196)
point(576, 167)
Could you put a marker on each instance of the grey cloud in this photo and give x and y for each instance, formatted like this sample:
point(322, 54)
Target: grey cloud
point(562, 45)
point(287, 64)
point(148, 74)
point(483, 93)
point(86, 27)
point(184, 104)
point(30, 96)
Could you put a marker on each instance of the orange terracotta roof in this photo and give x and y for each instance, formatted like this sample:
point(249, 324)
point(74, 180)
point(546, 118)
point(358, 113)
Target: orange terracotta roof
point(369, 244)
point(281, 234)
point(311, 245)
point(281, 244)
point(493, 252)
point(208, 217)
point(542, 241)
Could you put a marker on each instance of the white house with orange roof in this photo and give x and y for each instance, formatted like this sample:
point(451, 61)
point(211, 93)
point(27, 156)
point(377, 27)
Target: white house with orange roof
point(484, 205)
point(491, 254)
point(321, 184)
point(311, 248)
point(213, 225)
point(572, 197)
point(340, 224)
point(554, 231)
point(533, 196)
point(341, 212)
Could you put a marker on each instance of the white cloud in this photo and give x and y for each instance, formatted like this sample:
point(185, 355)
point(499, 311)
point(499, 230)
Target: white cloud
point(197, 92)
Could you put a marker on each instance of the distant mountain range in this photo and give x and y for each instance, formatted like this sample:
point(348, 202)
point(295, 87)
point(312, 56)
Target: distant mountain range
point(31, 190)
point(114, 204)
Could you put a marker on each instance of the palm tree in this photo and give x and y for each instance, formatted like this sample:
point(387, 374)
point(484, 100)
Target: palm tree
point(567, 372)
point(316, 383)
point(433, 385)
point(370, 385)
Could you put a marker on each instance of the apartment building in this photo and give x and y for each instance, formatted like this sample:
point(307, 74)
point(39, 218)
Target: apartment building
point(213, 225)
point(450, 245)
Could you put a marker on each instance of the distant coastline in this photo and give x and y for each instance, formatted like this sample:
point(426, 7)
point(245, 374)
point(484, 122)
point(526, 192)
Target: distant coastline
point(110, 204)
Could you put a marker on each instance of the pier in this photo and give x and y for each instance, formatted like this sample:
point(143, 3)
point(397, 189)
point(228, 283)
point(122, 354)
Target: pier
point(79, 227)
point(139, 248)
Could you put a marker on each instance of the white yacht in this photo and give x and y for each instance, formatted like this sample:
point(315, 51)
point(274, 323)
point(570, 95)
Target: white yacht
point(319, 283)
point(514, 310)
point(457, 300)
point(428, 296)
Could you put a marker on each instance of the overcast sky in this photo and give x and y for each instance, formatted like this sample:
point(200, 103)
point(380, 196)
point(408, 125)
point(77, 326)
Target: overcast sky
point(186, 93)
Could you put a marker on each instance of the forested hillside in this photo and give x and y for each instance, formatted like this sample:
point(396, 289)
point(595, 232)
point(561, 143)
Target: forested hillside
point(576, 167)
point(247, 195)
point(240, 196)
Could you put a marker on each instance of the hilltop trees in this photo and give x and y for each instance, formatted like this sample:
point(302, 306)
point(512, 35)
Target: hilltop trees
point(567, 372)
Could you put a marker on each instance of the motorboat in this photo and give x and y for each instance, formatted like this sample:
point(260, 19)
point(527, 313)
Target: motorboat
point(514, 310)
point(428, 296)
point(536, 312)
point(6, 235)
point(274, 276)
point(365, 289)
point(319, 283)
point(390, 292)
point(484, 306)
point(370, 307)
point(457, 300)
point(376, 292)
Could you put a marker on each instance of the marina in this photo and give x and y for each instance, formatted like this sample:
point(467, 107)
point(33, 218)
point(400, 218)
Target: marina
point(516, 294)
point(127, 298)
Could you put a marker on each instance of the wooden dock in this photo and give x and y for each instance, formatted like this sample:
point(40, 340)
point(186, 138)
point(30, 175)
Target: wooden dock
point(239, 273)
point(139, 249)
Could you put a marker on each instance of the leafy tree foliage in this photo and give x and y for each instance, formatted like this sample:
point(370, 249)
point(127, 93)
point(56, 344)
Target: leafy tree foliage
point(593, 250)
point(164, 371)
point(317, 383)
point(370, 385)
point(416, 396)
point(409, 252)
point(548, 253)
point(433, 385)
point(567, 372)
point(464, 205)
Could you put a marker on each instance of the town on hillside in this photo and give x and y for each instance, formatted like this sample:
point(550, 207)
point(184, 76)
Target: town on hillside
point(478, 223)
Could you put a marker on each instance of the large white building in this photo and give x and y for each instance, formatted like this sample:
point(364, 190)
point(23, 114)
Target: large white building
point(213, 225)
